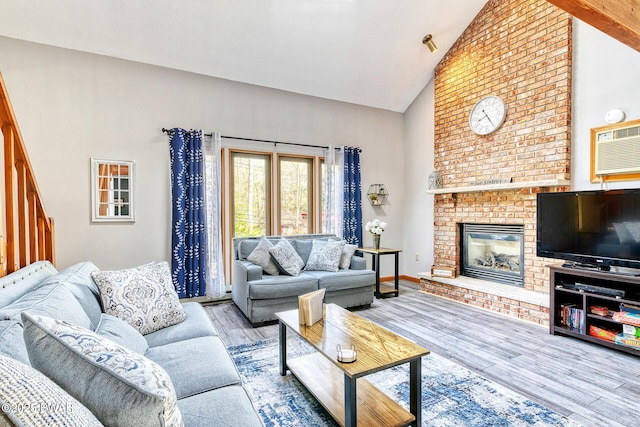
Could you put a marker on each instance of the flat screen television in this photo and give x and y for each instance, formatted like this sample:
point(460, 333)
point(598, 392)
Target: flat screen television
point(591, 228)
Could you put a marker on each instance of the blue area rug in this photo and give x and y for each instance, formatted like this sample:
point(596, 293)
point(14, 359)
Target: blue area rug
point(451, 394)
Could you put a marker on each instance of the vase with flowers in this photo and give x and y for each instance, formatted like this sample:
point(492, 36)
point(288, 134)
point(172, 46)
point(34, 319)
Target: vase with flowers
point(375, 227)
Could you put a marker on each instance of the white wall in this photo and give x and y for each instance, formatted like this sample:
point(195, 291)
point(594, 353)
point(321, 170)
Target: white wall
point(606, 75)
point(418, 213)
point(72, 106)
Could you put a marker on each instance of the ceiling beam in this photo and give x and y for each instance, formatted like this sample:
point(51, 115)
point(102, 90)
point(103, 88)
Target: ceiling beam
point(618, 18)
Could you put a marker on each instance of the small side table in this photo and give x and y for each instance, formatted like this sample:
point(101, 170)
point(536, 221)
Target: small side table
point(375, 261)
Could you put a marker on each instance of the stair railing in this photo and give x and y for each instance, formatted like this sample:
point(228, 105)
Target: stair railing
point(27, 234)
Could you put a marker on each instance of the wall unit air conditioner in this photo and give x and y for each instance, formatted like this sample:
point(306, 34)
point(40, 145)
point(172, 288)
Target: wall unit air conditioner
point(617, 151)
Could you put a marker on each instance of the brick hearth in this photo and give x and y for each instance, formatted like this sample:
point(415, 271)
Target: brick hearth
point(515, 302)
point(519, 50)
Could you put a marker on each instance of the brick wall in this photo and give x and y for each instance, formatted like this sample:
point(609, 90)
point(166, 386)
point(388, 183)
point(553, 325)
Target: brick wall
point(519, 50)
point(508, 306)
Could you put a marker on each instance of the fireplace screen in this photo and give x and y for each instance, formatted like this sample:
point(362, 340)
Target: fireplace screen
point(493, 252)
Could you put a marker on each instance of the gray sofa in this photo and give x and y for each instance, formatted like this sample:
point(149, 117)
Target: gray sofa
point(259, 295)
point(206, 383)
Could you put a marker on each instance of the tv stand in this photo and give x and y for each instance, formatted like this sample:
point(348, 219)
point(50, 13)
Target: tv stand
point(574, 294)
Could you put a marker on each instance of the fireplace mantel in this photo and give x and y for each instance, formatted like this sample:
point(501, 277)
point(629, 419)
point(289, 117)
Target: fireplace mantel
point(507, 186)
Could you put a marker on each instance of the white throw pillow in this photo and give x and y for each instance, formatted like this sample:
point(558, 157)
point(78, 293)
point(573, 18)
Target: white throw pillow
point(325, 255)
point(286, 257)
point(120, 387)
point(144, 296)
point(261, 256)
point(347, 253)
point(29, 398)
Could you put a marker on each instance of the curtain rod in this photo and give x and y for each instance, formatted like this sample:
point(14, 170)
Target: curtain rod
point(168, 131)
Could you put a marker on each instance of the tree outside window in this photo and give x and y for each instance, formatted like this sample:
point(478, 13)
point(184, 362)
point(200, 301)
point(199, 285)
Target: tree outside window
point(251, 193)
point(295, 195)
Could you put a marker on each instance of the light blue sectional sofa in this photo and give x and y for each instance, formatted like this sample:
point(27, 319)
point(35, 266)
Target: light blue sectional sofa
point(260, 295)
point(206, 383)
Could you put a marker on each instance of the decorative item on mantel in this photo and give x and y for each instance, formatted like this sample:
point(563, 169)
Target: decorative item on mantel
point(375, 227)
point(377, 194)
point(443, 271)
point(435, 180)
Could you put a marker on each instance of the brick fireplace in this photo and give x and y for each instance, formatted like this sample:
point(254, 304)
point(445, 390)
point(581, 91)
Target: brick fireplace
point(519, 50)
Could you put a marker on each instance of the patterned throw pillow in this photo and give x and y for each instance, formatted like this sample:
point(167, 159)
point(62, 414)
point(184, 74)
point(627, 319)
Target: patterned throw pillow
point(144, 296)
point(347, 253)
point(261, 256)
point(286, 257)
point(120, 387)
point(28, 398)
point(325, 255)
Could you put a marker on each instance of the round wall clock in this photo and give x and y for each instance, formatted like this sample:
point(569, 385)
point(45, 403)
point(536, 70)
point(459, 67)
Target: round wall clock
point(487, 115)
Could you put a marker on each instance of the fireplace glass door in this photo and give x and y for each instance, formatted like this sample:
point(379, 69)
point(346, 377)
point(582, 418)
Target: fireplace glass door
point(493, 252)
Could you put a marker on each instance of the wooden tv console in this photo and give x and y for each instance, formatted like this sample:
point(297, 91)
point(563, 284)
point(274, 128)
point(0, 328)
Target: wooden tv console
point(563, 292)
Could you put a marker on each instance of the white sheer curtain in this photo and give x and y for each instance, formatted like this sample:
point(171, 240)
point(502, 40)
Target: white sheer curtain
point(215, 274)
point(334, 190)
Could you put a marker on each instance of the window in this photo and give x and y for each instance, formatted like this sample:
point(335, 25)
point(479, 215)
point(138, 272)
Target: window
point(295, 176)
point(273, 193)
point(251, 194)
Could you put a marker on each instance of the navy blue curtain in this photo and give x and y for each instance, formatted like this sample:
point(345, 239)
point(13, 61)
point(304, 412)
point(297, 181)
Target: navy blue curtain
point(189, 236)
point(352, 211)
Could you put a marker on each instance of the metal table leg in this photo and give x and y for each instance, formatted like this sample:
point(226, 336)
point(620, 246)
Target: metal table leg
point(350, 402)
point(415, 390)
point(397, 275)
point(283, 347)
point(375, 261)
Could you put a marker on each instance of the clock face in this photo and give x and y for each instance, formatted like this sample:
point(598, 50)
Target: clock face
point(487, 115)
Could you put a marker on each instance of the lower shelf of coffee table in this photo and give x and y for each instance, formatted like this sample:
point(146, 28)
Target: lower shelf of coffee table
point(325, 382)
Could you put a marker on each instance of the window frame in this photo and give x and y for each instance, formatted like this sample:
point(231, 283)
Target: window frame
point(269, 208)
point(228, 149)
point(312, 219)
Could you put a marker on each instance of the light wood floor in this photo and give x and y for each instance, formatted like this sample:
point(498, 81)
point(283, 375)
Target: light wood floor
point(592, 385)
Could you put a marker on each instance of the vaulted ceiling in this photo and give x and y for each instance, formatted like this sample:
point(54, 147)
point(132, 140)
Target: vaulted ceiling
point(366, 52)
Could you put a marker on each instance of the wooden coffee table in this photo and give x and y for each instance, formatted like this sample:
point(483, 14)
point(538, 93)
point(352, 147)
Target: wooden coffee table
point(339, 387)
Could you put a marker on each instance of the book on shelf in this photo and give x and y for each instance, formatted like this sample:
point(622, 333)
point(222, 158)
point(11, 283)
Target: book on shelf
point(600, 310)
point(631, 330)
point(564, 314)
point(628, 340)
point(310, 307)
point(627, 318)
point(572, 317)
point(603, 333)
point(630, 308)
